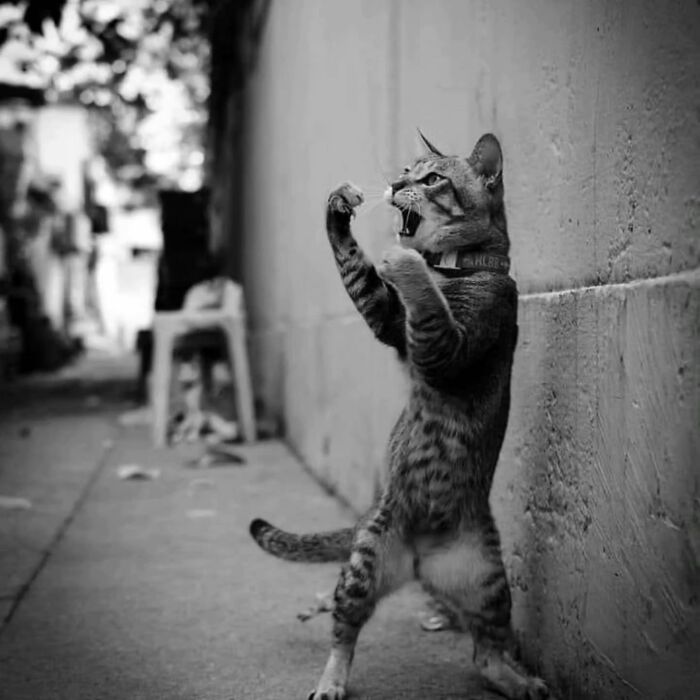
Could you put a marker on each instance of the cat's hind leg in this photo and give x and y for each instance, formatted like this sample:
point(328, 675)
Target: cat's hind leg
point(380, 562)
point(466, 574)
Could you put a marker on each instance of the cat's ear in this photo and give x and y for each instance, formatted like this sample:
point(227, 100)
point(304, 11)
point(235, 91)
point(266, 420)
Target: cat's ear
point(429, 145)
point(487, 160)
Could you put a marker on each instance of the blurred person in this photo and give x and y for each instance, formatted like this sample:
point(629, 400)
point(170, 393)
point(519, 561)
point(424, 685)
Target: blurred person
point(66, 283)
point(105, 254)
point(37, 279)
point(76, 266)
point(37, 218)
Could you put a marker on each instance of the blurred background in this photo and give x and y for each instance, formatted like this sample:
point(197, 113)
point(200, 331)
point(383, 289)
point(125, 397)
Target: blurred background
point(146, 147)
point(103, 107)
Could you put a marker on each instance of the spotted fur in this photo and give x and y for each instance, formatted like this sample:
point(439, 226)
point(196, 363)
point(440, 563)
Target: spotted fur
point(457, 335)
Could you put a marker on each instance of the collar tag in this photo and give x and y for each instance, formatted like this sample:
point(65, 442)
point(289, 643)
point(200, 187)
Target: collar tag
point(449, 259)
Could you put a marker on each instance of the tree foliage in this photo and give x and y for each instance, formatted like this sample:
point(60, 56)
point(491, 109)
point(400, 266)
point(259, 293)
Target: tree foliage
point(140, 66)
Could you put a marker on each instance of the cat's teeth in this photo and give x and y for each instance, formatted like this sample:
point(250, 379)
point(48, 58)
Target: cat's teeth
point(398, 224)
point(388, 194)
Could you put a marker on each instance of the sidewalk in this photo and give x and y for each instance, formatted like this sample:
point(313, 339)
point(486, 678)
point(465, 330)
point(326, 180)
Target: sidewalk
point(143, 590)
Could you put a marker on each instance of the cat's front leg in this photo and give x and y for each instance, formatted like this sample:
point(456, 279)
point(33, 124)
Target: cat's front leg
point(376, 301)
point(433, 336)
point(405, 269)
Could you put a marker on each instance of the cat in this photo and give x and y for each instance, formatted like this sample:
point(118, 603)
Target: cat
point(444, 300)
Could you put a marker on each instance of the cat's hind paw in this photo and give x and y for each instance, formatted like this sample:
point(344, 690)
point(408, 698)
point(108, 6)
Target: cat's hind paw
point(537, 689)
point(510, 679)
point(335, 692)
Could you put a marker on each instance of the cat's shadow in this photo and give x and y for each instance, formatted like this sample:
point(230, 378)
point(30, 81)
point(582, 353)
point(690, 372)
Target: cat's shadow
point(395, 658)
point(415, 678)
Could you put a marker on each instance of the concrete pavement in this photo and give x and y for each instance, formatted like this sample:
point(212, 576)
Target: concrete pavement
point(153, 589)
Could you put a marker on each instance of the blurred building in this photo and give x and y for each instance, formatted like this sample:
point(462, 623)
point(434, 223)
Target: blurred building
point(596, 107)
point(61, 145)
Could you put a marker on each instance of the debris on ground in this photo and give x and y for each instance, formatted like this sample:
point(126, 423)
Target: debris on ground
point(323, 604)
point(201, 484)
point(220, 429)
point(15, 503)
point(268, 427)
point(199, 513)
point(196, 424)
point(226, 453)
point(134, 472)
point(136, 416)
point(217, 455)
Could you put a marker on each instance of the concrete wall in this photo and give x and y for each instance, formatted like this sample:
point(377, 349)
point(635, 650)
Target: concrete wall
point(596, 105)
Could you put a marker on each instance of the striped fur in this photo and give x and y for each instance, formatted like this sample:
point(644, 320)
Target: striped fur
point(456, 336)
point(318, 547)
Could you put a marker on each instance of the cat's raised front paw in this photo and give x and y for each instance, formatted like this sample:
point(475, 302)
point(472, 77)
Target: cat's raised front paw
point(345, 198)
point(398, 262)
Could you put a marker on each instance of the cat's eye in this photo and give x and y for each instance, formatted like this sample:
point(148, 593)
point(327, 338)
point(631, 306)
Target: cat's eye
point(432, 179)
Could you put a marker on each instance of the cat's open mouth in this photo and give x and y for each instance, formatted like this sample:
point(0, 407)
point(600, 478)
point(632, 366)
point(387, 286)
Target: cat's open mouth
point(410, 220)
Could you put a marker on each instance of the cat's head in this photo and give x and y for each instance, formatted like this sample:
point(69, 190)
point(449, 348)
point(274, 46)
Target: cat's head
point(449, 202)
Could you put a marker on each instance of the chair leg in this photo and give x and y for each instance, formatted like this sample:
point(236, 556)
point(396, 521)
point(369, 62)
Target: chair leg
point(207, 366)
point(160, 391)
point(238, 357)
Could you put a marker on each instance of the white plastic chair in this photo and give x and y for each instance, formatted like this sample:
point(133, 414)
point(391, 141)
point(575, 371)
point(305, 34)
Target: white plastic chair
point(214, 304)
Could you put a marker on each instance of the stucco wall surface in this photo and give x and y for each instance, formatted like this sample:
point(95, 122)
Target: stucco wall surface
point(596, 106)
point(597, 491)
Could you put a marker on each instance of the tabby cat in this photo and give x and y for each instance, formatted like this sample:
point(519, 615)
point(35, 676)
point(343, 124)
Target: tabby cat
point(444, 300)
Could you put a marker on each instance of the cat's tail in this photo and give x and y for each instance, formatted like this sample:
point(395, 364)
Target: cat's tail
point(317, 547)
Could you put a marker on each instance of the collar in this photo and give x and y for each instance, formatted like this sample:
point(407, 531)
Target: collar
point(461, 263)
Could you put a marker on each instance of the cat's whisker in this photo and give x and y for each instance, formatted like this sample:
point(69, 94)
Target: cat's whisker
point(371, 207)
point(372, 191)
point(380, 170)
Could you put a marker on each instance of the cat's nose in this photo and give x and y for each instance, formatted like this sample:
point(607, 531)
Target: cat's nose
point(398, 185)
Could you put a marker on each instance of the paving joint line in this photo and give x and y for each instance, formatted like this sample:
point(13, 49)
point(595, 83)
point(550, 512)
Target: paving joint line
point(108, 447)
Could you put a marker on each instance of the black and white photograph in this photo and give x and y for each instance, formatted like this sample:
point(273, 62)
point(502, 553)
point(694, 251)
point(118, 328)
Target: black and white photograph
point(349, 349)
